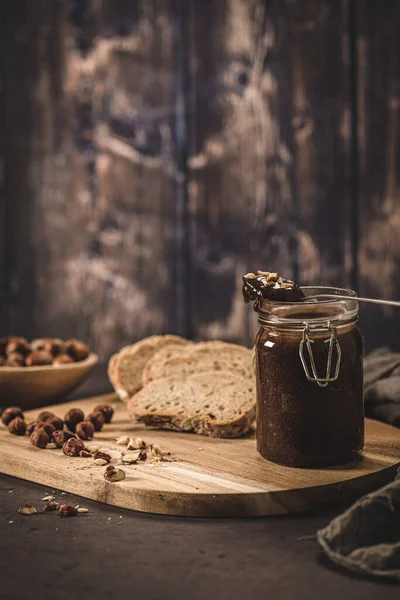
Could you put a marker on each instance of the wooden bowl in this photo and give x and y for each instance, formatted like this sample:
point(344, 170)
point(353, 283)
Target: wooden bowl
point(34, 386)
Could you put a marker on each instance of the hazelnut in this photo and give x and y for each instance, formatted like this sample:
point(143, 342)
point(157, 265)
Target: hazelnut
point(113, 474)
point(136, 443)
point(17, 426)
point(102, 456)
point(60, 436)
point(15, 359)
point(63, 359)
point(97, 418)
point(56, 422)
point(39, 438)
point(48, 427)
point(27, 509)
point(77, 349)
point(85, 430)
point(72, 447)
point(38, 359)
point(106, 410)
point(73, 417)
point(17, 344)
point(53, 346)
point(85, 453)
point(66, 510)
point(45, 415)
point(10, 413)
point(31, 427)
point(49, 506)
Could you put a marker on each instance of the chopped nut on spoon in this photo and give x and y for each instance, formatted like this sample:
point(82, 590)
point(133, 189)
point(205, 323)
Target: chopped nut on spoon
point(264, 285)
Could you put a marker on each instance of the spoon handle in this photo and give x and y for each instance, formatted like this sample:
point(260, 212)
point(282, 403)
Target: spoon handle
point(370, 300)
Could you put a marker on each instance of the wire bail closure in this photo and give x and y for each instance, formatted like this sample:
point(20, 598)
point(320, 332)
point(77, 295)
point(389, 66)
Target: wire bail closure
point(333, 343)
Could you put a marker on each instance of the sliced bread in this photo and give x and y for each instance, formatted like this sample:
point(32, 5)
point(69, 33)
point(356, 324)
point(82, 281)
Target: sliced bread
point(158, 359)
point(208, 356)
point(209, 403)
point(125, 369)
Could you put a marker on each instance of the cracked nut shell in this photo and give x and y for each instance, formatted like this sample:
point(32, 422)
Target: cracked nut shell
point(72, 447)
point(66, 510)
point(27, 509)
point(102, 456)
point(60, 436)
point(114, 474)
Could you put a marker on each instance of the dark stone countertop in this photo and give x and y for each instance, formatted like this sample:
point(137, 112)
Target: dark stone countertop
point(115, 553)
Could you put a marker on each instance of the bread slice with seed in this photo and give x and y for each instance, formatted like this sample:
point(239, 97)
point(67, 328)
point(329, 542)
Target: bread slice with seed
point(126, 368)
point(208, 403)
point(208, 356)
point(155, 362)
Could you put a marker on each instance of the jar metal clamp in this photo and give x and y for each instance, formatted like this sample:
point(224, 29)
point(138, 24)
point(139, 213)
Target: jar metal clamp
point(333, 342)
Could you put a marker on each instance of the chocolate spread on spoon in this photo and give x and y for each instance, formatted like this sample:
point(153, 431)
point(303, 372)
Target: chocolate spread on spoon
point(264, 285)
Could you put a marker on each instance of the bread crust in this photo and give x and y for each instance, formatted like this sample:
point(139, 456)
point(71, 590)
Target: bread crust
point(187, 420)
point(138, 353)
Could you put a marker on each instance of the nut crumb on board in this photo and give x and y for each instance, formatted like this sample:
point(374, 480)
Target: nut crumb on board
point(114, 474)
point(27, 509)
point(50, 506)
point(66, 510)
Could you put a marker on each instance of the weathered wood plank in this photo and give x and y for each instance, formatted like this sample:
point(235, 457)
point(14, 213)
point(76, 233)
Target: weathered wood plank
point(378, 58)
point(91, 174)
point(3, 212)
point(269, 119)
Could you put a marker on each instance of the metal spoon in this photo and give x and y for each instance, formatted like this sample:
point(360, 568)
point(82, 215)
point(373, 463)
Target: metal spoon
point(357, 298)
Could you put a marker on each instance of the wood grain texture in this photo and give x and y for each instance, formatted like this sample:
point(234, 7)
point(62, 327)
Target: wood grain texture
point(211, 478)
point(378, 91)
point(269, 126)
point(90, 171)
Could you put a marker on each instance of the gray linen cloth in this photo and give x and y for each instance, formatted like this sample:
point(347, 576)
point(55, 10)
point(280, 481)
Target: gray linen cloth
point(366, 537)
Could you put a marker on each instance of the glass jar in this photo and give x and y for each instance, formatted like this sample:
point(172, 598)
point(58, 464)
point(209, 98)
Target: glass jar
point(309, 371)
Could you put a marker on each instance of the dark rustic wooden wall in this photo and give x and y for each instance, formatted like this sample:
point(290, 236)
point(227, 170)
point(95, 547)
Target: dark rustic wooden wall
point(154, 150)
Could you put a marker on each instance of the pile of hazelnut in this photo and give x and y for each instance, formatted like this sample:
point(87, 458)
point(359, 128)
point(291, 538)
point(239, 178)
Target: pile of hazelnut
point(66, 433)
point(18, 352)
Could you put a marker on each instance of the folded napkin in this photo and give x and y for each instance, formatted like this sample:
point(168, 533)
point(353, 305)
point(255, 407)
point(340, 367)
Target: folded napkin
point(382, 386)
point(366, 538)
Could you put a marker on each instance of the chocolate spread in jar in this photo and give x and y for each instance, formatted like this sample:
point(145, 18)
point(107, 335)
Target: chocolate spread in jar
point(300, 423)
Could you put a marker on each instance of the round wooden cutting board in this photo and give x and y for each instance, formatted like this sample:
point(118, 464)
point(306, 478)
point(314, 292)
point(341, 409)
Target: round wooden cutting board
point(210, 478)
